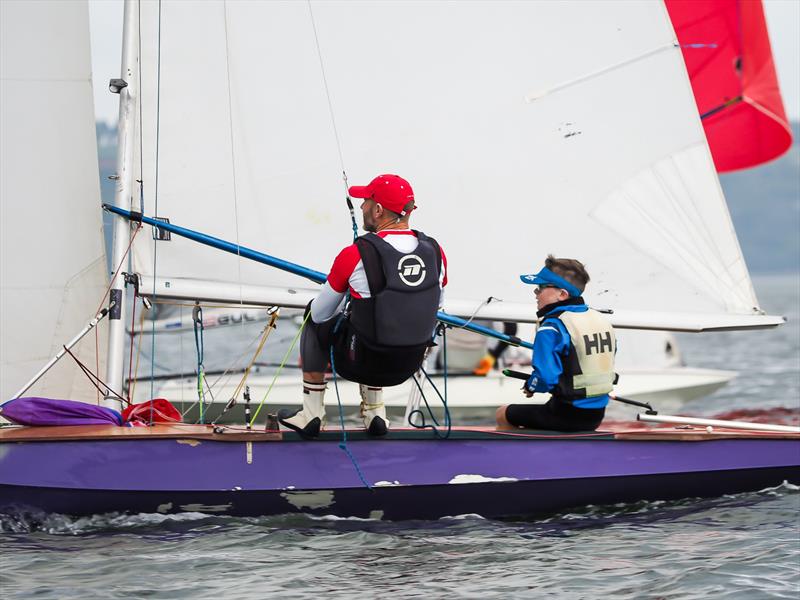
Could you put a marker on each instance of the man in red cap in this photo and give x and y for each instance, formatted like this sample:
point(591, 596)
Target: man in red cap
point(376, 313)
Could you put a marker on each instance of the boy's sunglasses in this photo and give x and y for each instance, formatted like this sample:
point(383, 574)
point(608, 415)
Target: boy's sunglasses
point(543, 286)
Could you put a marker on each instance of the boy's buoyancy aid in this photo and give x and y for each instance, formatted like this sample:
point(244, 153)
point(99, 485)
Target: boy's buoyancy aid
point(588, 367)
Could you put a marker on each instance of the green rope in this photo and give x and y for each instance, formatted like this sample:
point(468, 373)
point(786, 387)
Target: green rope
point(280, 368)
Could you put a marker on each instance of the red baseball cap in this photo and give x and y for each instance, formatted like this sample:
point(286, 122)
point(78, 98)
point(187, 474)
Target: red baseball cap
point(390, 191)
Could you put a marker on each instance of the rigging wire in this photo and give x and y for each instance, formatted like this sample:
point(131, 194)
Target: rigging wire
point(155, 195)
point(327, 90)
point(95, 379)
point(132, 383)
point(116, 272)
point(333, 122)
point(97, 362)
point(280, 367)
point(265, 334)
point(206, 304)
point(103, 301)
point(233, 156)
point(231, 369)
point(222, 377)
point(141, 113)
point(475, 312)
point(267, 330)
point(132, 336)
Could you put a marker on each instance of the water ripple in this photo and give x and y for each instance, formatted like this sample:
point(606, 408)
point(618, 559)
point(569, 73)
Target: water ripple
point(729, 547)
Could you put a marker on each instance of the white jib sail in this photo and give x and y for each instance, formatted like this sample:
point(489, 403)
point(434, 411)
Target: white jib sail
point(526, 128)
point(52, 259)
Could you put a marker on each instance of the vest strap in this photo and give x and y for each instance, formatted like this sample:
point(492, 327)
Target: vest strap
point(373, 266)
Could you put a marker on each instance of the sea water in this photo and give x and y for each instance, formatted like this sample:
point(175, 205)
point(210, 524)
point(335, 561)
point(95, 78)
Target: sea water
point(741, 546)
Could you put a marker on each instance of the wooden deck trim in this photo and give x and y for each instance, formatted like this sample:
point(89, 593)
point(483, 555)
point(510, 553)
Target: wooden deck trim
point(238, 433)
point(113, 432)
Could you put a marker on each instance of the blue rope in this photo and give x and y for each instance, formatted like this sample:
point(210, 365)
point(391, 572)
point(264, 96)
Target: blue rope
point(447, 420)
point(343, 443)
point(198, 343)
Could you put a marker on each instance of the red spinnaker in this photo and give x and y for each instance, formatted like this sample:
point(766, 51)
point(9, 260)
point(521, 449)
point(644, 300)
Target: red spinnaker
point(729, 59)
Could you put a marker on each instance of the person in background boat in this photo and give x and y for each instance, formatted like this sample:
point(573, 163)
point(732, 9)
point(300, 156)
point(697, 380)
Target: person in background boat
point(376, 313)
point(573, 355)
point(492, 357)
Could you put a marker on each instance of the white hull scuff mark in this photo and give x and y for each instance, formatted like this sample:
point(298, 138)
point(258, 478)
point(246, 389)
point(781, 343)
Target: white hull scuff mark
point(479, 479)
point(310, 499)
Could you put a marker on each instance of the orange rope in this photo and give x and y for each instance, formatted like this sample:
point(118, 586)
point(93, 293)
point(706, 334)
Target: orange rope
point(119, 267)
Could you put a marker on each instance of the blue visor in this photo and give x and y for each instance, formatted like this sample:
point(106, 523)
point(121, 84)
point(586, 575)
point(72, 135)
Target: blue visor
point(546, 276)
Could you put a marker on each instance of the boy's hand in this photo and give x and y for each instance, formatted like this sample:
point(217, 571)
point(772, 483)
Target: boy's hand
point(530, 385)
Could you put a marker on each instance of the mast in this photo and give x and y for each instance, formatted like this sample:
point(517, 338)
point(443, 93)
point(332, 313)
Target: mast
point(123, 198)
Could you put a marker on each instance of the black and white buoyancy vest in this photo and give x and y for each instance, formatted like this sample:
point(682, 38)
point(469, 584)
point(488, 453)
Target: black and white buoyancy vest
point(589, 364)
point(404, 293)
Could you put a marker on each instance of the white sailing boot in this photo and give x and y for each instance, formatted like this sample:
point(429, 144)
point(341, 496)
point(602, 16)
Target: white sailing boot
point(309, 420)
point(373, 411)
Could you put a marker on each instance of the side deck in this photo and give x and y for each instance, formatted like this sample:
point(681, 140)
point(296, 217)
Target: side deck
point(239, 433)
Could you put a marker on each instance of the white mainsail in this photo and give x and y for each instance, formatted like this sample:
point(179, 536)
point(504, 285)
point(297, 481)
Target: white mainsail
point(525, 129)
point(50, 191)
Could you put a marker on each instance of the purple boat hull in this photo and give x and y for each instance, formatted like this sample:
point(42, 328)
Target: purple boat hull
point(493, 476)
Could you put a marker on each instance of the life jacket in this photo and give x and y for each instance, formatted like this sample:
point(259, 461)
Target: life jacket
point(404, 293)
point(588, 367)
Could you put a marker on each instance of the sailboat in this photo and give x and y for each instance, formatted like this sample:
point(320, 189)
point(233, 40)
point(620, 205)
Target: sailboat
point(272, 101)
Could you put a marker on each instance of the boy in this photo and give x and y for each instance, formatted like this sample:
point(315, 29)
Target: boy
point(573, 355)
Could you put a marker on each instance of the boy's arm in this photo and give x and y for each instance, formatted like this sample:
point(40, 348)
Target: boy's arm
point(546, 361)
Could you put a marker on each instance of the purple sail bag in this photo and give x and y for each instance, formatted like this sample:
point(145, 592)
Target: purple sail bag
point(49, 411)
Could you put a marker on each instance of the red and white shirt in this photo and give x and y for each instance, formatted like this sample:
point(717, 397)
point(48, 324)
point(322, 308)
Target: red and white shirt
point(348, 272)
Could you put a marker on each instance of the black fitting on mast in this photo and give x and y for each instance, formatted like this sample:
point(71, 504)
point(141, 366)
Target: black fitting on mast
point(115, 305)
point(132, 279)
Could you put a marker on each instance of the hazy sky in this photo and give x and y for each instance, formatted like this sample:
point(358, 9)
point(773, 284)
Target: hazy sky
point(783, 20)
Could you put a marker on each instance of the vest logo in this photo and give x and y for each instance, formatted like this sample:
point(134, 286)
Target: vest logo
point(411, 270)
point(598, 343)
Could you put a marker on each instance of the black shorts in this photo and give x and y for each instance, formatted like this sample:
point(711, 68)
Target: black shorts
point(554, 416)
point(355, 359)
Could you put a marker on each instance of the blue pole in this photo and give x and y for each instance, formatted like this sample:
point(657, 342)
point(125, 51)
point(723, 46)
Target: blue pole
point(290, 267)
